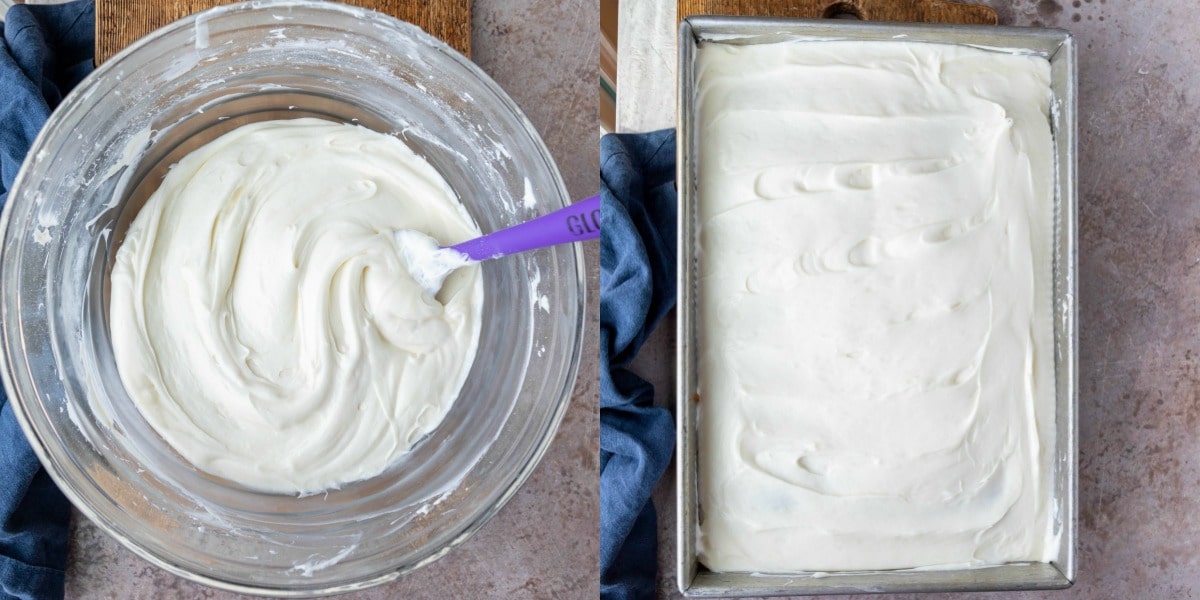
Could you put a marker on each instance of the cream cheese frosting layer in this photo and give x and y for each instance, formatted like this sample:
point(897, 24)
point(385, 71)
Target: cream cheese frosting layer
point(261, 315)
point(874, 306)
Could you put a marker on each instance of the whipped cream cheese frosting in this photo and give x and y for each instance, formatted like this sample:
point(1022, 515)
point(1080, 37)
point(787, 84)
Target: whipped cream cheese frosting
point(874, 307)
point(261, 315)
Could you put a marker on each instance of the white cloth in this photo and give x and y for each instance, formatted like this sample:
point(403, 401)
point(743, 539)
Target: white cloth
point(646, 57)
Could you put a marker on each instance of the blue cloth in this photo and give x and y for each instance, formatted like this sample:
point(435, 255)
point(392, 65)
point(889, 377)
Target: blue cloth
point(637, 288)
point(44, 51)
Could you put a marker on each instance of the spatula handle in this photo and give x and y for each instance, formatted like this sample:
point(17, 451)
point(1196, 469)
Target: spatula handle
point(575, 223)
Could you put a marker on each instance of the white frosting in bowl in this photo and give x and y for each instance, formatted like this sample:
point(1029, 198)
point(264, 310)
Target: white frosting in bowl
point(874, 304)
point(261, 315)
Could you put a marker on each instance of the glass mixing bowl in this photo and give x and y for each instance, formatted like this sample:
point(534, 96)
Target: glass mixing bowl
point(106, 149)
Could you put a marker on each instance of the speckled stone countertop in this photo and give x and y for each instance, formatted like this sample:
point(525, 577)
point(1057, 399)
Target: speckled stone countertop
point(543, 543)
point(1139, 269)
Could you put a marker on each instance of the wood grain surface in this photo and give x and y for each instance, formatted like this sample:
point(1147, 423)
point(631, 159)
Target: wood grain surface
point(120, 22)
point(928, 11)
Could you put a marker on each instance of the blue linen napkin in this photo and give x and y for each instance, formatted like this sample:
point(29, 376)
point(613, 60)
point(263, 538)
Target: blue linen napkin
point(637, 288)
point(44, 51)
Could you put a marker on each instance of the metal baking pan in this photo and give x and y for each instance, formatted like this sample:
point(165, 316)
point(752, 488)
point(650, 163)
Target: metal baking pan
point(1059, 47)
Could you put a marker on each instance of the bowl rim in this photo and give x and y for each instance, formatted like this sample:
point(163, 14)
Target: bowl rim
point(73, 102)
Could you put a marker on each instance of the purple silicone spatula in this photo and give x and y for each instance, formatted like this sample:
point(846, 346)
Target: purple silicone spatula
point(430, 264)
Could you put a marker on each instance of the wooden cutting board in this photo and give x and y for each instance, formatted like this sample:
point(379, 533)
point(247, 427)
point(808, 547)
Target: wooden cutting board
point(928, 11)
point(120, 22)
